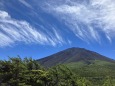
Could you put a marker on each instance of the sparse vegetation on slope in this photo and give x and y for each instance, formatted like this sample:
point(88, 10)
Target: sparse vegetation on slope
point(72, 55)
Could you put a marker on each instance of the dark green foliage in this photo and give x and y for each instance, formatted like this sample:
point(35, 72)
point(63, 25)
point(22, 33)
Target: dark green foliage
point(27, 72)
point(16, 71)
point(62, 76)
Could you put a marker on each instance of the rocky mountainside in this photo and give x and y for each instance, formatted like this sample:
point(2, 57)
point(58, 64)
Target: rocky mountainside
point(72, 55)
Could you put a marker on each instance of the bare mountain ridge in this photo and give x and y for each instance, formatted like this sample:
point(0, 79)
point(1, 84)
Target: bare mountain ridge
point(72, 55)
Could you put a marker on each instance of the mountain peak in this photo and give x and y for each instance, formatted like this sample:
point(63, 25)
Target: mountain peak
point(74, 48)
point(73, 54)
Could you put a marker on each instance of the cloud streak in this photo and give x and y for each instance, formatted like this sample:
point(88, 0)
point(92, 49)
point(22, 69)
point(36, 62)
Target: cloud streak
point(25, 3)
point(13, 31)
point(86, 19)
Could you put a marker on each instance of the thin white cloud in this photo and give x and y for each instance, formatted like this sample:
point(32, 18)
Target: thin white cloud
point(5, 40)
point(13, 31)
point(24, 2)
point(90, 21)
point(87, 20)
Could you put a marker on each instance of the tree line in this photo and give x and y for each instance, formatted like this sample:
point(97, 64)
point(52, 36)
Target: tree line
point(28, 72)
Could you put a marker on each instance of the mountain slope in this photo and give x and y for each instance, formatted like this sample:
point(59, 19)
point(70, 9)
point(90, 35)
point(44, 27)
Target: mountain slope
point(72, 55)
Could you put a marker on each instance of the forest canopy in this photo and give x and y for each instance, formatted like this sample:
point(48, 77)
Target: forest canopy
point(28, 72)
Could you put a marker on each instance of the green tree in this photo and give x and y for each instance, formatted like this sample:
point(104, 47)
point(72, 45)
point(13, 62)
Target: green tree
point(62, 76)
point(108, 81)
point(82, 81)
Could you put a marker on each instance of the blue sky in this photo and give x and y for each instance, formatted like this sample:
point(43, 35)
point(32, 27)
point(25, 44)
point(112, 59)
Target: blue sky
point(38, 28)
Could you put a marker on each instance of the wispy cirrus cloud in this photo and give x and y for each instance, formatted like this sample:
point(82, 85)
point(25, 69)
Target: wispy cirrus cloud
point(88, 20)
point(13, 31)
point(25, 3)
